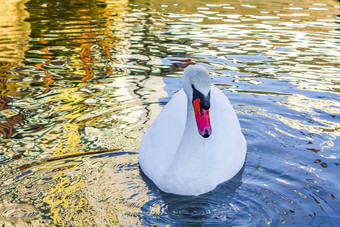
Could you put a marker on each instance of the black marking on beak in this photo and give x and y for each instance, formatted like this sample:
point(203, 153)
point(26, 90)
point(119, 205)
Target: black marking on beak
point(206, 133)
point(205, 99)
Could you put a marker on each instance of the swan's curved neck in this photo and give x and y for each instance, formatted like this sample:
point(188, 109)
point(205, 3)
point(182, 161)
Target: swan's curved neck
point(192, 153)
point(190, 124)
point(191, 141)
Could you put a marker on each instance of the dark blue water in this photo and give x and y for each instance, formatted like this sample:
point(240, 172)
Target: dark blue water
point(81, 81)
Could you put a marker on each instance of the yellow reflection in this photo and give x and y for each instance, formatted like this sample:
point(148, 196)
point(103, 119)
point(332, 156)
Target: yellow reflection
point(65, 196)
point(67, 201)
point(73, 105)
point(14, 35)
point(114, 190)
point(14, 31)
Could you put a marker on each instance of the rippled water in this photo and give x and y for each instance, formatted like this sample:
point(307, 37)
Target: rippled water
point(80, 82)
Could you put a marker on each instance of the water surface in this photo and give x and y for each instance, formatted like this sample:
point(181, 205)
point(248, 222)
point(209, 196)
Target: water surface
point(80, 82)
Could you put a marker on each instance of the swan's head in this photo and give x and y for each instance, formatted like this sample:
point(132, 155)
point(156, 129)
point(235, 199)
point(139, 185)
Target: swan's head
point(196, 85)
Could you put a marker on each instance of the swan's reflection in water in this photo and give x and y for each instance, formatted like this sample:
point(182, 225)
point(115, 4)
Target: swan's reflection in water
point(209, 208)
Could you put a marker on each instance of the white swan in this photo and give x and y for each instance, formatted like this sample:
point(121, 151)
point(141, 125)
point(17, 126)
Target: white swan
point(196, 142)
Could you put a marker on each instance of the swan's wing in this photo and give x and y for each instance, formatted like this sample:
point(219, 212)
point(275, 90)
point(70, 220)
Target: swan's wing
point(162, 138)
point(225, 123)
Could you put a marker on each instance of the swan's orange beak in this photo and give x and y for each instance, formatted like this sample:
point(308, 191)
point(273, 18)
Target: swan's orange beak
point(202, 118)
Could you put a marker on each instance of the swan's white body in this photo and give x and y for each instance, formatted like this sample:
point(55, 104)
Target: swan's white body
point(178, 159)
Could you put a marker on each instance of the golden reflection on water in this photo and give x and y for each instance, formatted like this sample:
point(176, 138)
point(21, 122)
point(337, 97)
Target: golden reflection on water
point(66, 197)
point(14, 31)
point(14, 35)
